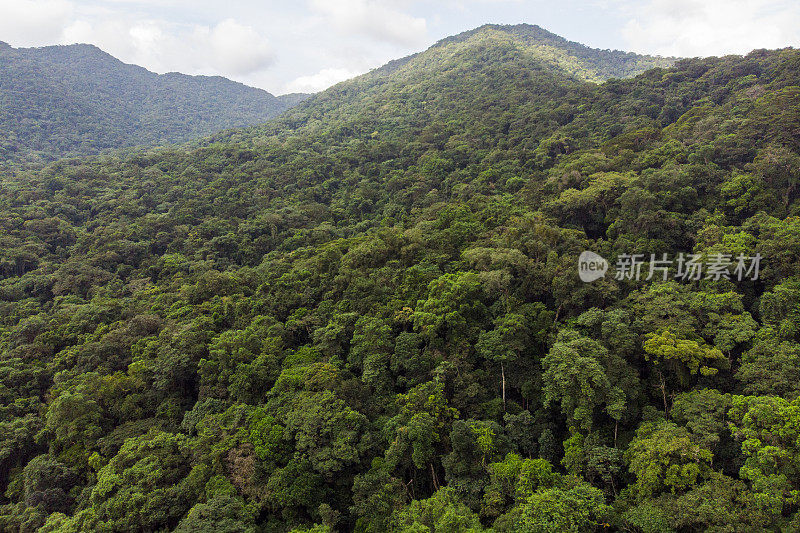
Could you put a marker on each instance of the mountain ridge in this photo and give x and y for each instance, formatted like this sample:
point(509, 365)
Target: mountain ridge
point(58, 129)
point(535, 33)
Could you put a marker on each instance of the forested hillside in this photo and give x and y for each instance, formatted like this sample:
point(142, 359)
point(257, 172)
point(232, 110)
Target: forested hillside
point(366, 315)
point(582, 62)
point(77, 99)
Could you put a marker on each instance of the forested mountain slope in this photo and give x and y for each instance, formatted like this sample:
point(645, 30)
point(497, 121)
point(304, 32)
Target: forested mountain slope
point(582, 62)
point(468, 71)
point(367, 315)
point(77, 99)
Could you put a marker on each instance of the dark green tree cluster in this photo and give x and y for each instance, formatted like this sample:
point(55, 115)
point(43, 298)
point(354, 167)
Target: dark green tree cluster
point(366, 315)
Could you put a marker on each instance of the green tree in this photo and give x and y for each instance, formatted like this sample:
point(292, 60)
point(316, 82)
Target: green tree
point(664, 458)
point(769, 428)
point(575, 376)
point(149, 484)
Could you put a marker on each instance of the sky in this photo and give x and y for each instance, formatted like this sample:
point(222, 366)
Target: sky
point(309, 45)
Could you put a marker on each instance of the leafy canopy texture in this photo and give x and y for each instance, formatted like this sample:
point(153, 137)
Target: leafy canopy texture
point(366, 314)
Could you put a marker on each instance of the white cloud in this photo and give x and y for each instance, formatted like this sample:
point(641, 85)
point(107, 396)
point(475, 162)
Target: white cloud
point(33, 22)
point(320, 81)
point(234, 47)
point(377, 19)
point(228, 48)
point(711, 27)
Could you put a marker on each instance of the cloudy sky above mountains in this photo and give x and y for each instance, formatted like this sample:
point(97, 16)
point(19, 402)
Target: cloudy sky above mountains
point(308, 45)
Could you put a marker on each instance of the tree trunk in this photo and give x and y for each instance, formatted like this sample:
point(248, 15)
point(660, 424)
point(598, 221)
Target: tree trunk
point(433, 478)
point(503, 377)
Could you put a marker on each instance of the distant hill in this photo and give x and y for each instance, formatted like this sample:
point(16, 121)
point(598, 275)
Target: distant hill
point(578, 60)
point(573, 59)
point(77, 99)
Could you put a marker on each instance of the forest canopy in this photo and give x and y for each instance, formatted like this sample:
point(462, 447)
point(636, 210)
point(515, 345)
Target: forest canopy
point(366, 314)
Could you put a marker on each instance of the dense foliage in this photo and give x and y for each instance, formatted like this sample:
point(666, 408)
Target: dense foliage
point(367, 315)
point(71, 100)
